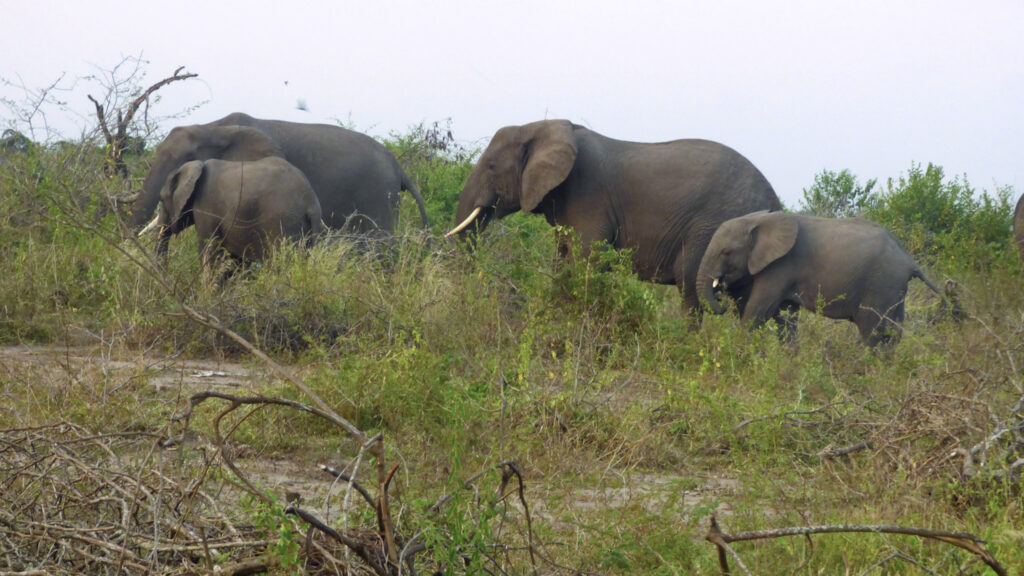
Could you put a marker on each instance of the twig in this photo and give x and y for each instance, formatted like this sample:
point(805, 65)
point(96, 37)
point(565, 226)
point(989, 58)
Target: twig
point(964, 540)
point(866, 445)
point(342, 476)
point(718, 538)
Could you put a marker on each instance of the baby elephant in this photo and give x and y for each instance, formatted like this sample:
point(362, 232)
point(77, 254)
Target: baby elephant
point(852, 268)
point(243, 207)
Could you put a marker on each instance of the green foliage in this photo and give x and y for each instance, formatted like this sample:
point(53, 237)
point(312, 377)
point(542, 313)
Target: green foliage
point(271, 519)
point(632, 423)
point(946, 220)
point(939, 220)
point(603, 285)
point(439, 165)
point(837, 195)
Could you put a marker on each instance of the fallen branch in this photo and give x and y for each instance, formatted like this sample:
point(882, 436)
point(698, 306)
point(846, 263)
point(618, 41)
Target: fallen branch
point(72, 505)
point(836, 453)
point(964, 540)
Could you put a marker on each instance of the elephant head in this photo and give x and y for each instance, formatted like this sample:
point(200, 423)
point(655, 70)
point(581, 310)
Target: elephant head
point(198, 142)
point(176, 198)
point(741, 248)
point(520, 166)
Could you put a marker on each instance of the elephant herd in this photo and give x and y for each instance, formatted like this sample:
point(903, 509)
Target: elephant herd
point(695, 213)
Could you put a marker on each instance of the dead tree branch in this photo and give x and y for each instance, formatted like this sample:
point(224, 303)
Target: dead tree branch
point(963, 540)
point(115, 132)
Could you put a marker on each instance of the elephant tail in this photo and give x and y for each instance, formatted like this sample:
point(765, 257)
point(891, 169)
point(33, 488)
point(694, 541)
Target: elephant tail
point(314, 225)
point(408, 186)
point(949, 297)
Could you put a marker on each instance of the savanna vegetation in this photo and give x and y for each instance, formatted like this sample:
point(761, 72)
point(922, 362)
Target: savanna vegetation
point(545, 416)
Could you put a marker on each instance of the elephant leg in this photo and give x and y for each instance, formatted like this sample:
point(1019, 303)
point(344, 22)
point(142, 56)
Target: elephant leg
point(760, 307)
point(880, 326)
point(685, 271)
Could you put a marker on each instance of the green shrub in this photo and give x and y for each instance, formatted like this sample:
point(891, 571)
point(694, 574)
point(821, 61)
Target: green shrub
point(438, 164)
point(945, 220)
point(837, 195)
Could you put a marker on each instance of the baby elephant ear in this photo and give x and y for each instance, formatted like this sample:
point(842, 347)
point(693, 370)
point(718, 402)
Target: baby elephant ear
point(551, 154)
point(772, 238)
point(181, 187)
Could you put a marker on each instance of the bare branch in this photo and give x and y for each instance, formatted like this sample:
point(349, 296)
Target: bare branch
point(964, 540)
point(116, 137)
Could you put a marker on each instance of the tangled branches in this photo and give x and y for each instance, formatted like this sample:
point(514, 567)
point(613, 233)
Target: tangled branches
point(80, 503)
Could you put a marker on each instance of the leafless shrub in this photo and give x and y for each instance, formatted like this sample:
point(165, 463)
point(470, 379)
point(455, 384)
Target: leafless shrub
point(76, 502)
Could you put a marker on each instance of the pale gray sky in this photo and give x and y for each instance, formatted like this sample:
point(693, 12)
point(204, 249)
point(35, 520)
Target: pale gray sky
point(796, 86)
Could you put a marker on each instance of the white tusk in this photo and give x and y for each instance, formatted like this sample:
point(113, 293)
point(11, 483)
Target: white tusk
point(149, 227)
point(714, 283)
point(469, 220)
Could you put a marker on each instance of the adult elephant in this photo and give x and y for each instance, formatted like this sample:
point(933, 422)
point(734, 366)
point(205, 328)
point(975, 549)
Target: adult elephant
point(355, 178)
point(1018, 226)
point(663, 201)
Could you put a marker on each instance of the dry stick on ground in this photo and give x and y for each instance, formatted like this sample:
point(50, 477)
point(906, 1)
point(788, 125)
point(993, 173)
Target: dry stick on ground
point(74, 506)
point(380, 505)
point(964, 540)
point(350, 480)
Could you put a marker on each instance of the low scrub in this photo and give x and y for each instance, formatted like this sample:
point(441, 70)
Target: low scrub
point(629, 423)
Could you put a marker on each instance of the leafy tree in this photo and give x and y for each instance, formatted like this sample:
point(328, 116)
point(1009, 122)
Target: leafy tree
point(933, 214)
point(837, 195)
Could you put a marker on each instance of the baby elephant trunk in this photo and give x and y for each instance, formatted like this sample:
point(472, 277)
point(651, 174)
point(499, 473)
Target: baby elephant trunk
point(707, 287)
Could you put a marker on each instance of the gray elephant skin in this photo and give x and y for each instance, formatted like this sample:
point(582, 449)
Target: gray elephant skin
point(355, 178)
point(240, 207)
point(663, 200)
point(1018, 227)
point(851, 268)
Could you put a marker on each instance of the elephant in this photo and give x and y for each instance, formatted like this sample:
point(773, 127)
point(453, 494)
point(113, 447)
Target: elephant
point(243, 207)
point(1018, 226)
point(662, 200)
point(846, 268)
point(355, 178)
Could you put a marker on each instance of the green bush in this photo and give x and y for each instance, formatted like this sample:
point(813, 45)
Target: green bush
point(837, 195)
point(939, 220)
point(944, 220)
point(438, 164)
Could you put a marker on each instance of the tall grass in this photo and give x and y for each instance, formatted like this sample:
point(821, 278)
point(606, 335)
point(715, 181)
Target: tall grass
point(632, 422)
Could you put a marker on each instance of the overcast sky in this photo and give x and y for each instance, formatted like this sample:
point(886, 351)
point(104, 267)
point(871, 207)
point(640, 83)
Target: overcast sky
point(796, 87)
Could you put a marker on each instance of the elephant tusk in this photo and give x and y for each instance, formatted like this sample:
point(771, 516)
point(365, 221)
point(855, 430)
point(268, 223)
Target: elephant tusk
point(465, 223)
point(150, 226)
point(714, 283)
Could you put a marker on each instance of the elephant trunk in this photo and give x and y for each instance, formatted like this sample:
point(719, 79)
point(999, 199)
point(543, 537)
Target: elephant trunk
point(164, 232)
point(163, 240)
point(706, 288)
point(146, 203)
point(475, 209)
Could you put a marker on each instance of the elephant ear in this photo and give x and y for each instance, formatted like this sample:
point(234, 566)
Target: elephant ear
point(550, 156)
point(772, 237)
point(181, 187)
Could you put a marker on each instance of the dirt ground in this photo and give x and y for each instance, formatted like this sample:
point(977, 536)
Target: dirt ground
point(117, 368)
